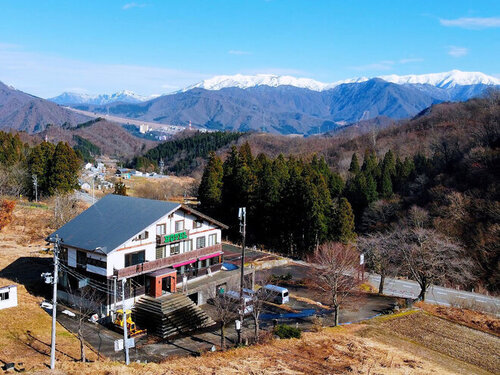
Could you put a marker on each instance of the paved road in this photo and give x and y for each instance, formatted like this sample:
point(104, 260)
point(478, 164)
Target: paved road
point(87, 198)
point(437, 294)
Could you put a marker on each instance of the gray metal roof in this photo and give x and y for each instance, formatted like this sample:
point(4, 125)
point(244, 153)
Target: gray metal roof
point(111, 221)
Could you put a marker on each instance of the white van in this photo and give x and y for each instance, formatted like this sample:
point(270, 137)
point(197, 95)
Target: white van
point(247, 300)
point(276, 293)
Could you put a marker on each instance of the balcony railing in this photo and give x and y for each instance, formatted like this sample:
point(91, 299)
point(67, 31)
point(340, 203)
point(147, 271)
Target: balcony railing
point(154, 265)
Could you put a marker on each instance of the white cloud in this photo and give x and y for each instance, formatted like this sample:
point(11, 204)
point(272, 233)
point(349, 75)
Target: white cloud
point(381, 65)
point(411, 60)
point(239, 52)
point(133, 5)
point(47, 75)
point(386, 64)
point(472, 22)
point(457, 51)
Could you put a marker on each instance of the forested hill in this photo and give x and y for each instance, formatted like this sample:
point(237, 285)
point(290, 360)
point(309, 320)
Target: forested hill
point(439, 170)
point(184, 154)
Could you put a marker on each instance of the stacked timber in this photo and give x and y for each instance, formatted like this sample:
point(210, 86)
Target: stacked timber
point(170, 315)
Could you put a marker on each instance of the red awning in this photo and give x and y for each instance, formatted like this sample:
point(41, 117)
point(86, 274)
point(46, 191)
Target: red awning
point(210, 256)
point(184, 263)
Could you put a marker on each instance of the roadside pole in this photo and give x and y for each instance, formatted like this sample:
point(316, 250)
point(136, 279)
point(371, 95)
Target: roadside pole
point(242, 215)
point(54, 303)
point(125, 346)
point(114, 297)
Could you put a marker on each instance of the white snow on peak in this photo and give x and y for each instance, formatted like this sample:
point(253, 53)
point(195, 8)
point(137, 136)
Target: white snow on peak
point(126, 96)
point(443, 80)
point(246, 81)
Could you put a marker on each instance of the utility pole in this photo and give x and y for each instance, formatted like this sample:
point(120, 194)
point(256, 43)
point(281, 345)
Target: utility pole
point(125, 346)
point(93, 195)
point(35, 185)
point(57, 240)
point(162, 165)
point(114, 297)
point(242, 215)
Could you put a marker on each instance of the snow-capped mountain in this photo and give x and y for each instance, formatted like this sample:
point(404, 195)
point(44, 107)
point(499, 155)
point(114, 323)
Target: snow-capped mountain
point(444, 80)
point(125, 96)
point(441, 80)
point(246, 81)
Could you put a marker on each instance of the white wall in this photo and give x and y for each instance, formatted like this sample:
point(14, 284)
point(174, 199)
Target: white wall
point(12, 300)
point(116, 258)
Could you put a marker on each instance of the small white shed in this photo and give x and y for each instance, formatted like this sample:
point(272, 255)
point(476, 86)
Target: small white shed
point(8, 296)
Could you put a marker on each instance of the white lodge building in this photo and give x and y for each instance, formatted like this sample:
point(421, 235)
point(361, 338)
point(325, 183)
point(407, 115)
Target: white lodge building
point(151, 244)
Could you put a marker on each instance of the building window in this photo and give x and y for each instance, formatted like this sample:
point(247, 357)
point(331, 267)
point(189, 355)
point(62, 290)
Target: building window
point(161, 252)
point(96, 262)
point(179, 225)
point(212, 239)
point(197, 224)
point(188, 245)
point(161, 229)
point(135, 258)
point(175, 248)
point(81, 259)
point(200, 242)
point(143, 236)
point(4, 296)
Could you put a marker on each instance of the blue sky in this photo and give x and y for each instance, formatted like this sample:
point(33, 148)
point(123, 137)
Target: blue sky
point(153, 47)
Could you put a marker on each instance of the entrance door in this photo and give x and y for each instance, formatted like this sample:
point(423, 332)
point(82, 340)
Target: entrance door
point(166, 285)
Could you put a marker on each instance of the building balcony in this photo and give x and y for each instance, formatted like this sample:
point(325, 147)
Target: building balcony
point(170, 261)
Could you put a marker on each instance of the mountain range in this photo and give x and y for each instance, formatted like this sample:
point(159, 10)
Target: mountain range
point(289, 105)
point(269, 103)
point(125, 96)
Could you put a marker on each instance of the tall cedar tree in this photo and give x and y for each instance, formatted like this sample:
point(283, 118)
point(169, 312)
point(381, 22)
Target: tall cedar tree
point(210, 190)
point(354, 166)
point(63, 170)
point(345, 222)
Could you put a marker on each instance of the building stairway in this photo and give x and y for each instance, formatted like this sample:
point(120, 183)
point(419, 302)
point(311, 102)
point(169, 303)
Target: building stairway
point(170, 315)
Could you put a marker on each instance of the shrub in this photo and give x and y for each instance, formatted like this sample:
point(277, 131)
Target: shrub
point(284, 331)
point(6, 209)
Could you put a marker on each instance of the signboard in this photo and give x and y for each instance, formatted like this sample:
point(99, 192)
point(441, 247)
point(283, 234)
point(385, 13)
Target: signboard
point(82, 283)
point(175, 237)
point(131, 343)
point(118, 345)
point(362, 259)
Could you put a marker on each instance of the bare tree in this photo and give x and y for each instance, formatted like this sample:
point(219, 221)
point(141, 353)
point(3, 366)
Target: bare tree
point(381, 250)
point(430, 257)
point(86, 301)
point(225, 311)
point(65, 209)
point(259, 300)
point(334, 272)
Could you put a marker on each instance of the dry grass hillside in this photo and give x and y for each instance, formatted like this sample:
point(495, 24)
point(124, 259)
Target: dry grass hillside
point(416, 342)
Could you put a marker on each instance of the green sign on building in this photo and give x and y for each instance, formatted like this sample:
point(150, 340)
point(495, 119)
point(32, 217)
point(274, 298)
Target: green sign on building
point(175, 237)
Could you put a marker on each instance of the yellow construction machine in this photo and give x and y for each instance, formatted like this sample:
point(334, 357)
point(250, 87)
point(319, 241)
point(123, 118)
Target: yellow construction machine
point(132, 330)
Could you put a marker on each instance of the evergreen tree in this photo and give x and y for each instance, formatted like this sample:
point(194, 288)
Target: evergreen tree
point(386, 184)
point(354, 167)
point(39, 162)
point(345, 222)
point(63, 171)
point(210, 189)
point(120, 188)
